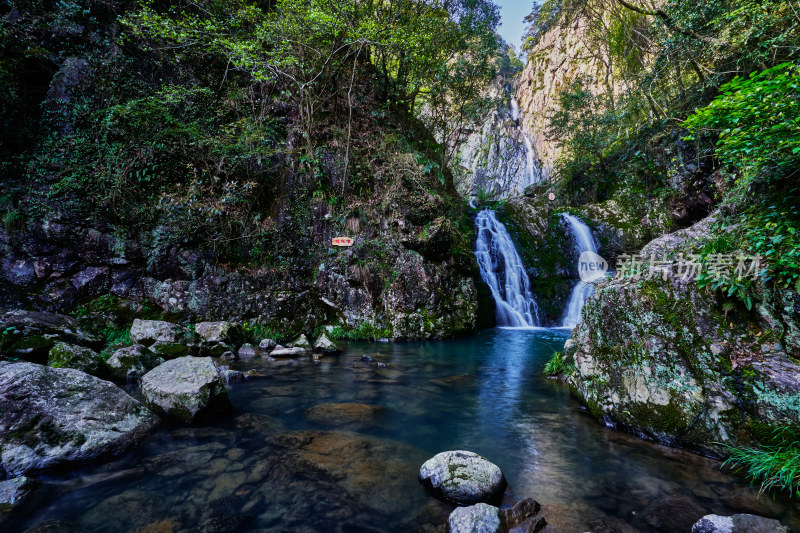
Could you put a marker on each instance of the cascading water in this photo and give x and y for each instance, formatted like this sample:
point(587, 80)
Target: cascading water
point(501, 268)
point(534, 175)
point(584, 241)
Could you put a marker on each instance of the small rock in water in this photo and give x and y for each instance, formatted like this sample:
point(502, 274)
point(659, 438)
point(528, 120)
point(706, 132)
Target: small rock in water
point(301, 342)
point(248, 351)
point(520, 512)
point(228, 356)
point(267, 345)
point(738, 523)
point(325, 345)
point(288, 352)
point(14, 491)
point(478, 518)
point(463, 477)
point(367, 359)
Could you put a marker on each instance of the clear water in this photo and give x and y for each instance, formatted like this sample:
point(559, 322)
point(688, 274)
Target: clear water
point(268, 467)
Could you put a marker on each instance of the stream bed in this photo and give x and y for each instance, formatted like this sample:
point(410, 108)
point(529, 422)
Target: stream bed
point(292, 458)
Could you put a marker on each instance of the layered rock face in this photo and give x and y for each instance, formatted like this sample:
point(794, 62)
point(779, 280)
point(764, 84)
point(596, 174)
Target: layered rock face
point(497, 157)
point(561, 56)
point(662, 358)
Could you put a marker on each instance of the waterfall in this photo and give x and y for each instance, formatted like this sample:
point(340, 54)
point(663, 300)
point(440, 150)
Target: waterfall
point(584, 241)
point(534, 175)
point(501, 268)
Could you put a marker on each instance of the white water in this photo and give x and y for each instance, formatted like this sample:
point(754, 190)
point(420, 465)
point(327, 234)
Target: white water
point(534, 175)
point(501, 268)
point(584, 241)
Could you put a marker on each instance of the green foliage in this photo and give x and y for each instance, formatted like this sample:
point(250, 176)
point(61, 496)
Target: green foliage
point(255, 332)
point(776, 466)
point(757, 120)
point(13, 220)
point(117, 335)
point(557, 366)
point(365, 331)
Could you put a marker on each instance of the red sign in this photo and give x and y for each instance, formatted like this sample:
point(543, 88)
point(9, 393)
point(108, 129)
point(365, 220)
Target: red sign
point(342, 241)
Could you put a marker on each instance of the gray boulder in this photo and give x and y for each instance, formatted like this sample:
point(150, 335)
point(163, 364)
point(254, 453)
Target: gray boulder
point(281, 352)
point(30, 334)
point(463, 477)
point(57, 416)
point(218, 337)
point(478, 518)
point(301, 342)
point(132, 362)
point(64, 355)
point(738, 523)
point(325, 345)
point(148, 332)
point(186, 388)
point(14, 491)
point(267, 345)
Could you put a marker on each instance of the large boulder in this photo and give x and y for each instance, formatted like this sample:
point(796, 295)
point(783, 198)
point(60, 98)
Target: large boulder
point(463, 477)
point(478, 518)
point(148, 332)
point(301, 342)
point(132, 362)
point(64, 355)
point(661, 357)
point(738, 523)
point(57, 416)
point(31, 334)
point(186, 388)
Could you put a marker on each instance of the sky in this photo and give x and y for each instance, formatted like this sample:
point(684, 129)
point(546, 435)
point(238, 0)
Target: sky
point(513, 11)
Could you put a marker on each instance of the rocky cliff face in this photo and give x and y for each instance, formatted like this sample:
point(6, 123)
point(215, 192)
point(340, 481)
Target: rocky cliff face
point(497, 159)
point(660, 357)
point(561, 56)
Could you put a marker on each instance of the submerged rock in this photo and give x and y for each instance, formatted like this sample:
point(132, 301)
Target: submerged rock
point(344, 414)
point(478, 518)
point(739, 523)
point(463, 477)
point(31, 334)
point(132, 362)
point(64, 355)
point(56, 416)
point(185, 388)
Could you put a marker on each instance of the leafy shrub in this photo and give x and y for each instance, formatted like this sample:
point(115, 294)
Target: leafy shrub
point(557, 366)
point(366, 331)
point(775, 466)
point(757, 119)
